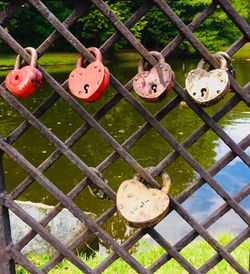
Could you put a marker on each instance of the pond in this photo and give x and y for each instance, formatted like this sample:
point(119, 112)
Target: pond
point(121, 122)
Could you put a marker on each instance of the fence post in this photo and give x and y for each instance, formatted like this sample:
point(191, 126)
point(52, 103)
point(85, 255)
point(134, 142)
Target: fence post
point(7, 265)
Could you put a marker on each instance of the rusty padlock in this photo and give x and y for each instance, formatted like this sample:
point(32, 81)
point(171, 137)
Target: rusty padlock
point(155, 84)
point(89, 83)
point(141, 206)
point(208, 87)
point(22, 82)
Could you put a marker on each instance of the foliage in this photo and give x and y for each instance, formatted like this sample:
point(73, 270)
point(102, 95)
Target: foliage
point(154, 30)
point(96, 29)
point(197, 253)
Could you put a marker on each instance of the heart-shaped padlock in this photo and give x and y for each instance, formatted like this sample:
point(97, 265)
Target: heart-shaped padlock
point(89, 83)
point(208, 87)
point(24, 81)
point(155, 84)
point(141, 206)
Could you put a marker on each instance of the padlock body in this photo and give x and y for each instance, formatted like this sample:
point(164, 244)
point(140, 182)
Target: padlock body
point(102, 87)
point(207, 87)
point(23, 82)
point(154, 85)
point(89, 83)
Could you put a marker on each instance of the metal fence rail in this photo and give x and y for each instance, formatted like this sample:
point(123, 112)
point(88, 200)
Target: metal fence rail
point(10, 253)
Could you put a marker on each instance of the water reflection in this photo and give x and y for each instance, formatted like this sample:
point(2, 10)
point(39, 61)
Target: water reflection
point(121, 122)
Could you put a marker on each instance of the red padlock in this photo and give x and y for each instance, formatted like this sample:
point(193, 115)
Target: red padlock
point(89, 83)
point(155, 84)
point(22, 82)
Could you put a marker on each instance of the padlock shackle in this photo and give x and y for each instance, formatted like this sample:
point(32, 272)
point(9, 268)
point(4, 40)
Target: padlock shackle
point(166, 181)
point(201, 64)
point(219, 57)
point(158, 56)
point(95, 51)
point(33, 56)
point(220, 54)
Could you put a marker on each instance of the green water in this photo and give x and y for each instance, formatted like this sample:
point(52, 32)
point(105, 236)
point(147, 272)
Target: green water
point(120, 122)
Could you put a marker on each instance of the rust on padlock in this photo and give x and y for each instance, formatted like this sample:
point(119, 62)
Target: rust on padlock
point(146, 206)
point(155, 84)
point(208, 87)
point(22, 82)
point(89, 83)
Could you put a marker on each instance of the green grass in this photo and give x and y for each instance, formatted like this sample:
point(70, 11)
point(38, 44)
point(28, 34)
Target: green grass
point(244, 52)
point(59, 59)
point(48, 59)
point(197, 253)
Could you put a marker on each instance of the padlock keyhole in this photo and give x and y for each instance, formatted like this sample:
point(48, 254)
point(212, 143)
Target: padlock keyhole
point(154, 87)
point(203, 91)
point(16, 77)
point(86, 88)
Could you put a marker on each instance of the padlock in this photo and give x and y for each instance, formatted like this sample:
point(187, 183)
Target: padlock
point(141, 206)
point(89, 83)
point(208, 87)
point(155, 84)
point(22, 82)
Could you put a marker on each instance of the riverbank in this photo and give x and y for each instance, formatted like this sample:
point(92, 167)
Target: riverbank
point(69, 58)
point(197, 253)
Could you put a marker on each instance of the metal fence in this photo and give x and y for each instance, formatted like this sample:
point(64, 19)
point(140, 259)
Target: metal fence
point(10, 253)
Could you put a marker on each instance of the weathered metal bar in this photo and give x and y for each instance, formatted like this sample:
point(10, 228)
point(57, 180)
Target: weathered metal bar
point(59, 26)
point(68, 22)
point(180, 149)
point(149, 117)
point(109, 14)
point(76, 14)
point(15, 134)
point(145, 113)
point(180, 198)
point(235, 17)
point(24, 262)
point(43, 232)
point(82, 112)
point(209, 10)
point(143, 9)
point(69, 142)
point(70, 205)
point(213, 125)
point(106, 162)
point(7, 265)
point(220, 164)
point(216, 215)
point(236, 45)
point(171, 250)
point(118, 24)
point(179, 245)
point(79, 133)
point(244, 235)
point(140, 12)
point(187, 193)
point(14, 5)
point(202, 231)
point(181, 26)
point(80, 238)
point(72, 18)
